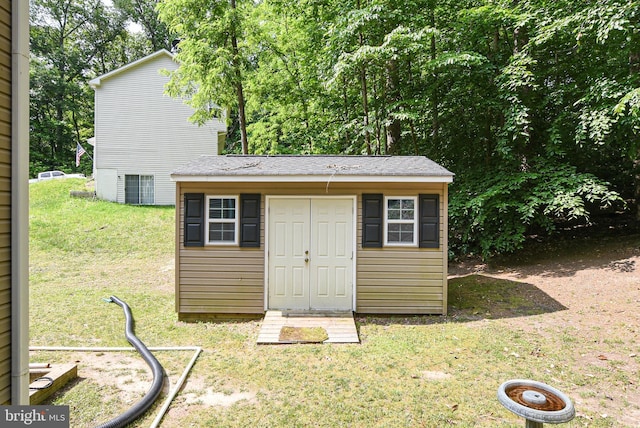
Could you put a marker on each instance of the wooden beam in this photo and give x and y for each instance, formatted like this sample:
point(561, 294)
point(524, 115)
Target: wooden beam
point(61, 374)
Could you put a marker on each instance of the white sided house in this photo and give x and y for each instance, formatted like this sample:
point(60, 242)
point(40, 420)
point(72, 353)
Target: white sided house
point(141, 134)
point(364, 234)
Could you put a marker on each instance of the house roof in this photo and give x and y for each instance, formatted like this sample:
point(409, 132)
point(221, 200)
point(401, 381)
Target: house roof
point(310, 168)
point(96, 82)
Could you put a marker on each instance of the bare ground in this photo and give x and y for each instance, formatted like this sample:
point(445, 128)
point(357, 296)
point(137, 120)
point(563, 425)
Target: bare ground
point(594, 284)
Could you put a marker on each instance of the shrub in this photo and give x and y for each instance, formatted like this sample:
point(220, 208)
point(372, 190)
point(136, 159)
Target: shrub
point(492, 212)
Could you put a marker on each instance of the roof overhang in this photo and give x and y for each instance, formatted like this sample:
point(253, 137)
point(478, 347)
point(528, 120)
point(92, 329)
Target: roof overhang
point(310, 179)
point(311, 169)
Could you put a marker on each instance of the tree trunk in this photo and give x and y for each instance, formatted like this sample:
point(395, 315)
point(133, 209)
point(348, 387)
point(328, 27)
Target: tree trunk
point(345, 98)
point(365, 100)
point(394, 128)
point(435, 102)
point(528, 149)
point(241, 114)
point(242, 117)
point(365, 107)
point(636, 179)
point(378, 113)
point(414, 139)
point(520, 39)
point(495, 43)
point(634, 70)
point(239, 89)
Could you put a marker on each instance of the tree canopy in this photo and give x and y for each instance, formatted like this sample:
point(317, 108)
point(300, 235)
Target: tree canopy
point(73, 41)
point(534, 105)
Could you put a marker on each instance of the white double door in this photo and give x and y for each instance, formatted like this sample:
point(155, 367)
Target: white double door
point(310, 254)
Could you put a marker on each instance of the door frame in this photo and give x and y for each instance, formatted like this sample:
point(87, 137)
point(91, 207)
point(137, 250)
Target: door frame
point(354, 219)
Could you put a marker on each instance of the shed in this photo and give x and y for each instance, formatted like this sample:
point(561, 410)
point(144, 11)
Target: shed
point(366, 234)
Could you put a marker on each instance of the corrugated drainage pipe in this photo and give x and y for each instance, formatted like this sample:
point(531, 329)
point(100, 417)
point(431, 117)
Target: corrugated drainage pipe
point(143, 404)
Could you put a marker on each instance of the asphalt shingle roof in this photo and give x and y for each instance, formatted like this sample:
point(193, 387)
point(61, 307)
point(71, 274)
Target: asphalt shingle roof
point(311, 165)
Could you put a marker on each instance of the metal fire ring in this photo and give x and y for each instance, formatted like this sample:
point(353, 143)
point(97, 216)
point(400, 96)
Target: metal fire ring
point(536, 401)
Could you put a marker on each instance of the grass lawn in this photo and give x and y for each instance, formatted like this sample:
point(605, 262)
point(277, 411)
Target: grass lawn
point(429, 371)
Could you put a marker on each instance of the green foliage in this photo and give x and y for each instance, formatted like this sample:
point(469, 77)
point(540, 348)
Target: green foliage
point(144, 13)
point(213, 55)
point(69, 40)
point(542, 94)
point(630, 104)
point(493, 212)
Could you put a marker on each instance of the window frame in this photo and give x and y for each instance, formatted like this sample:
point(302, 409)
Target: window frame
point(235, 220)
point(148, 177)
point(388, 221)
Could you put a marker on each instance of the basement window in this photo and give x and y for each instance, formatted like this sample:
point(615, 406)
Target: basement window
point(139, 189)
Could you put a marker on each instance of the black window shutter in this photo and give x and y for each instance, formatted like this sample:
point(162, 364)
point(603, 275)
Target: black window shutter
point(429, 221)
point(372, 211)
point(250, 220)
point(194, 219)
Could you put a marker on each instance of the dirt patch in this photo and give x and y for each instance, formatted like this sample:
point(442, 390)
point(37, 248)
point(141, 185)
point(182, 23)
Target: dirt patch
point(585, 292)
point(197, 391)
point(126, 372)
point(434, 375)
point(210, 398)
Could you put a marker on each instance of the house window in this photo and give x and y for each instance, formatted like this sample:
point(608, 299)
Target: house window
point(222, 220)
point(401, 226)
point(139, 189)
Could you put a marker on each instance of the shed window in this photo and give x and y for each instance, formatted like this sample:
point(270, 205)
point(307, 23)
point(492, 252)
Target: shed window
point(401, 226)
point(222, 220)
point(139, 189)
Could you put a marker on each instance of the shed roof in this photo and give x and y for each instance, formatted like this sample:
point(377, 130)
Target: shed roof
point(311, 168)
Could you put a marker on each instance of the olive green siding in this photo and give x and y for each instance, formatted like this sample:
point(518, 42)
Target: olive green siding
point(5, 201)
point(221, 280)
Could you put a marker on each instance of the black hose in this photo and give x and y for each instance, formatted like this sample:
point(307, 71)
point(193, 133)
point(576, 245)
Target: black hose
point(143, 404)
